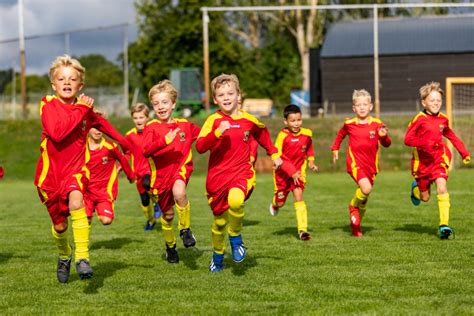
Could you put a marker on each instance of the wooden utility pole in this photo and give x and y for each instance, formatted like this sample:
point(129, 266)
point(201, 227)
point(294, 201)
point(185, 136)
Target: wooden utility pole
point(207, 86)
point(24, 103)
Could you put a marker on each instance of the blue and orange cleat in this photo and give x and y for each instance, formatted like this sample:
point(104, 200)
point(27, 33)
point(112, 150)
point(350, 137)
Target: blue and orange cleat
point(445, 232)
point(414, 186)
point(149, 226)
point(217, 262)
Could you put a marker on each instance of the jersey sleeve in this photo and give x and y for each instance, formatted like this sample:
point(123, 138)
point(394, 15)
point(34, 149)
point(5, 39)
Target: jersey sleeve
point(457, 143)
point(385, 141)
point(208, 136)
point(152, 143)
point(310, 149)
point(120, 157)
point(262, 136)
point(104, 126)
point(341, 134)
point(59, 127)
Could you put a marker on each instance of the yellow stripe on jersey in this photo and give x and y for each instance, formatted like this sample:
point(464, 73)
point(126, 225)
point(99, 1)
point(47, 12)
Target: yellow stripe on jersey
point(45, 158)
point(87, 158)
point(446, 160)
point(207, 127)
point(279, 141)
point(377, 161)
point(132, 131)
point(353, 163)
point(416, 161)
point(249, 117)
point(78, 177)
point(153, 171)
point(306, 131)
point(110, 184)
point(182, 171)
point(416, 118)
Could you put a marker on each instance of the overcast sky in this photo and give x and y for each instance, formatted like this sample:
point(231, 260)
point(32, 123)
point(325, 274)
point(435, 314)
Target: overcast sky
point(43, 17)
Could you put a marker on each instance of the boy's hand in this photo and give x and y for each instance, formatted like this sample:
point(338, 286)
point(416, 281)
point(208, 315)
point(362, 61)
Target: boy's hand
point(383, 130)
point(223, 126)
point(335, 156)
point(312, 166)
point(87, 100)
point(277, 162)
point(467, 160)
point(296, 177)
point(172, 135)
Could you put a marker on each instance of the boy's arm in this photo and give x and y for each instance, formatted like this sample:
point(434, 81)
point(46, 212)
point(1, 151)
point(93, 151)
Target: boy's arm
point(341, 134)
point(120, 157)
point(152, 143)
point(411, 137)
point(195, 130)
point(287, 167)
point(59, 127)
point(105, 127)
point(457, 143)
point(384, 139)
point(310, 155)
point(208, 137)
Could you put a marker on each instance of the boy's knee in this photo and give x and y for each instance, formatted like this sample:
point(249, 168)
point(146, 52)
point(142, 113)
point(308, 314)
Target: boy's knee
point(61, 227)
point(76, 204)
point(236, 199)
point(425, 196)
point(168, 216)
point(106, 220)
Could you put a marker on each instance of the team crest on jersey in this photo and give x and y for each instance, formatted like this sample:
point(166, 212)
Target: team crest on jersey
point(441, 128)
point(246, 136)
point(303, 149)
point(371, 134)
point(105, 160)
point(182, 137)
point(281, 195)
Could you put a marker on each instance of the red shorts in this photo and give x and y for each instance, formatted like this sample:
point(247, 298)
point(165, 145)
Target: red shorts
point(358, 173)
point(102, 206)
point(165, 195)
point(283, 187)
point(436, 172)
point(57, 201)
point(219, 202)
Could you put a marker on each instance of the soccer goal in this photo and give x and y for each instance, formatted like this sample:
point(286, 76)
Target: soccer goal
point(460, 111)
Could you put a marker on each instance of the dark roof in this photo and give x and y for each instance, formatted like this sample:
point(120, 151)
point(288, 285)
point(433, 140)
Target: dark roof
point(401, 36)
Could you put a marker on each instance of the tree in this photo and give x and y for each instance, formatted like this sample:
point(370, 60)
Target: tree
point(100, 71)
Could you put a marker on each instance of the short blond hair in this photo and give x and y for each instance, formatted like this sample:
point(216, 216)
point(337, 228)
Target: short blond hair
point(430, 87)
point(223, 79)
point(362, 93)
point(67, 61)
point(164, 86)
point(140, 107)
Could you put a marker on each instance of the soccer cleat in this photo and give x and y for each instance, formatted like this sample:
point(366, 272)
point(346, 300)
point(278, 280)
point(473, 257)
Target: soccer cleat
point(149, 226)
point(156, 210)
point(84, 269)
point(445, 231)
point(305, 235)
point(217, 262)
point(273, 211)
point(416, 201)
point(64, 266)
point(238, 248)
point(188, 237)
point(172, 254)
point(354, 214)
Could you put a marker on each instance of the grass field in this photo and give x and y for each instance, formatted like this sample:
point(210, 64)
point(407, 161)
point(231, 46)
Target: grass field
point(398, 267)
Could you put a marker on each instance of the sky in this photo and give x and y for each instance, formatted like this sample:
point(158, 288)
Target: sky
point(43, 17)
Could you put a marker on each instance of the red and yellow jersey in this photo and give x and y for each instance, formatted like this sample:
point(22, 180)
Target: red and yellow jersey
point(169, 159)
point(103, 169)
point(253, 149)
point(363, 145)
point(138, 161)
point(63, 140)
point(425, 132)
point(230, 151)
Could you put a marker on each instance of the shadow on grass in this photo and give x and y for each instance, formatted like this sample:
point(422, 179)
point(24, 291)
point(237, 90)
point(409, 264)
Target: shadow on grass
point(240, 268)
point(287, 231)
point(250, 223)
point(115, 243)
point(103, 271)
point(347, 229)
point(189, 256)
point(417, 228)
point(5, 257)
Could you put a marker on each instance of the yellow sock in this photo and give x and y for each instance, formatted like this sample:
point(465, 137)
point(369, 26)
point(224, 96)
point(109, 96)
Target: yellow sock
point(236, 211)
point(443, 205)
point(301, 216)
point(148, 212)
point(184, 216)
point(168, 232)
point(217, 232)
point(359, 198)
point(62, 243)
point(80, 231)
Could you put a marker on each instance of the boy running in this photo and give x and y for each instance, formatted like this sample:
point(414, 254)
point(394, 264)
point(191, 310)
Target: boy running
point(431, 157)
point(365, 133)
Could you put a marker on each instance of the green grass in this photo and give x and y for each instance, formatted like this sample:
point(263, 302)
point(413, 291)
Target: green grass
point(399, 266)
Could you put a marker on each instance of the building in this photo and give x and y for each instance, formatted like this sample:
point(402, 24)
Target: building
point(412, 51)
